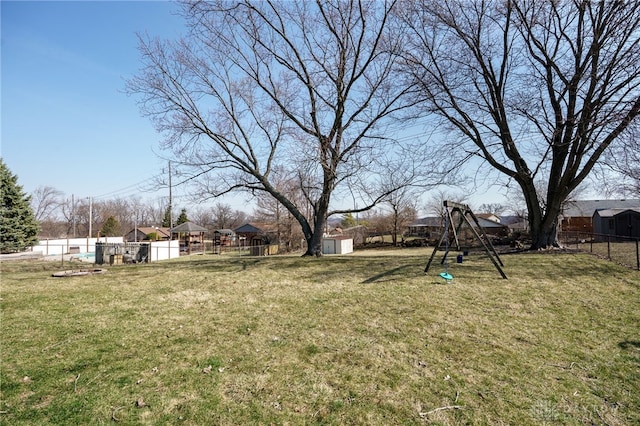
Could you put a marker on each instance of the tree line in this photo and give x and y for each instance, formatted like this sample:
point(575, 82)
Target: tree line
point(60, 216)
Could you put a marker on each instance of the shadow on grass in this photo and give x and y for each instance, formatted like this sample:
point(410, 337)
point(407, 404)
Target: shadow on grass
point(628, 344)
point(314, 269)
point(388, 274)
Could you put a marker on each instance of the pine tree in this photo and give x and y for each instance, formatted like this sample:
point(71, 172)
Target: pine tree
point(166, 221)
point(111, 227)
point(348, 221)
point(18, 226)
point(183, 217)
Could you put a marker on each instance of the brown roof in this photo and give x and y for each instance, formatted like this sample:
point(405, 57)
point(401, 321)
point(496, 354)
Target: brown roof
point(146, 230)
point(188, 227)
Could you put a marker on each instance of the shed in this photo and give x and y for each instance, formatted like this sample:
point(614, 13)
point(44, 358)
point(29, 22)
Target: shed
point(251, 235)
point(577, 216)
point(337, 245)
point(617, 222)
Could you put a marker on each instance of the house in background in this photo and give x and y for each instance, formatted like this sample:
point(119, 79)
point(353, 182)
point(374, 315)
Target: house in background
point(577, 216)
point(432, 227)
point(426, 227)
point(617, 222)
point(146, 233)
point(515, 223)
point(357, 233)
point(489, 216)
point(492, 227)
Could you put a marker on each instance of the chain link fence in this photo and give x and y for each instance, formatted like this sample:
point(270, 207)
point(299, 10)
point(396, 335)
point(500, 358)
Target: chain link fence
point(622, 250)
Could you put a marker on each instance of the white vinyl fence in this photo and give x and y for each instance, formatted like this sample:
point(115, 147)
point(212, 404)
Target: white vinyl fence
point(159, 250)
point(162, 250)
point(72, 245)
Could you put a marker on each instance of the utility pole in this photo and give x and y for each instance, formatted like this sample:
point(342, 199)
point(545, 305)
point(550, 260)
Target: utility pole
point(90, 216)
point(170, 200)
point(73, 214)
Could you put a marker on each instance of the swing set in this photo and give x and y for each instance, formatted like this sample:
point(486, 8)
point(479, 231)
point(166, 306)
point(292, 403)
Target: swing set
point(462, 213)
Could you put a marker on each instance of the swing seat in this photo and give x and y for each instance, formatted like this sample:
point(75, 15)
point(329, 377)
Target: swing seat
point(446, 276)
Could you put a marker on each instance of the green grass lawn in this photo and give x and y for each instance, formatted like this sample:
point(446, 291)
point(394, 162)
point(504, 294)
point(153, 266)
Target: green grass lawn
point(366, 338)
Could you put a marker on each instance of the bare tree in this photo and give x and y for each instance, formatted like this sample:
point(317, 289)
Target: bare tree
point(401, 203)
point(403, 212)
point(492, 208)
point(45, 201)
point(308, 87)
point(218, 216)
point(539, 90)
point(435, 203)
point(270, 210)
point(624, 163)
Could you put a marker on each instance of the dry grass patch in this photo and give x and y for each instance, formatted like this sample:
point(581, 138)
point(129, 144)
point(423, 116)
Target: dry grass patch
point(359, 339)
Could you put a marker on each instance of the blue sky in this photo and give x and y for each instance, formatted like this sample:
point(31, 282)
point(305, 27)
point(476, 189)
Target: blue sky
point(66, 121)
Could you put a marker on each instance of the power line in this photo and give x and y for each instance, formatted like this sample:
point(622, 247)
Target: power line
point(130, 189)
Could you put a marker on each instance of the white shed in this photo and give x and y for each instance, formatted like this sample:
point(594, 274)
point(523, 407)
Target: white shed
point(337, 245)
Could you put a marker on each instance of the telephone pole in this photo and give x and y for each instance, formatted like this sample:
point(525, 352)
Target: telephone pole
point(170, 200)
point(73, 214)
point(90, 216)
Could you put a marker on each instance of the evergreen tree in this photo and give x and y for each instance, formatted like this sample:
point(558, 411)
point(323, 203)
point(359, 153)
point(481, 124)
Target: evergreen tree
point(348, 221)
point(183, 217)
point(18, 226)
point(111, 227)
point(166, 221)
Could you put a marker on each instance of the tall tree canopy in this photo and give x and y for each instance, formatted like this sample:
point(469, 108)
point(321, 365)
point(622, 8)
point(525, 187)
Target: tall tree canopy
point(304, 90)
point(539, 90)
point(18, 226)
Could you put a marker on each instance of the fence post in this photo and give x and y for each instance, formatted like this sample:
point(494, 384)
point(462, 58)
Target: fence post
point(637, 254)
point(609, 247)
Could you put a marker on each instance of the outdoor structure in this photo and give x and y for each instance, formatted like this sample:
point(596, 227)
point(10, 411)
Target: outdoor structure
point(358, 233)
point(119, 253)
point(224, 237)
point(149, 251)
point(71, 245)
point(190, 235)
point(337, 245)
point(617, 222)
point(493, 227)
point(146, 233)
point(457, 216)
point(427, 227)
point(515, 223)
point(251, 235)
point(577, 216)
point(431, 227)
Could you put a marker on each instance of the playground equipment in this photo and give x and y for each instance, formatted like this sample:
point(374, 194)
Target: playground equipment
point(462, 213)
